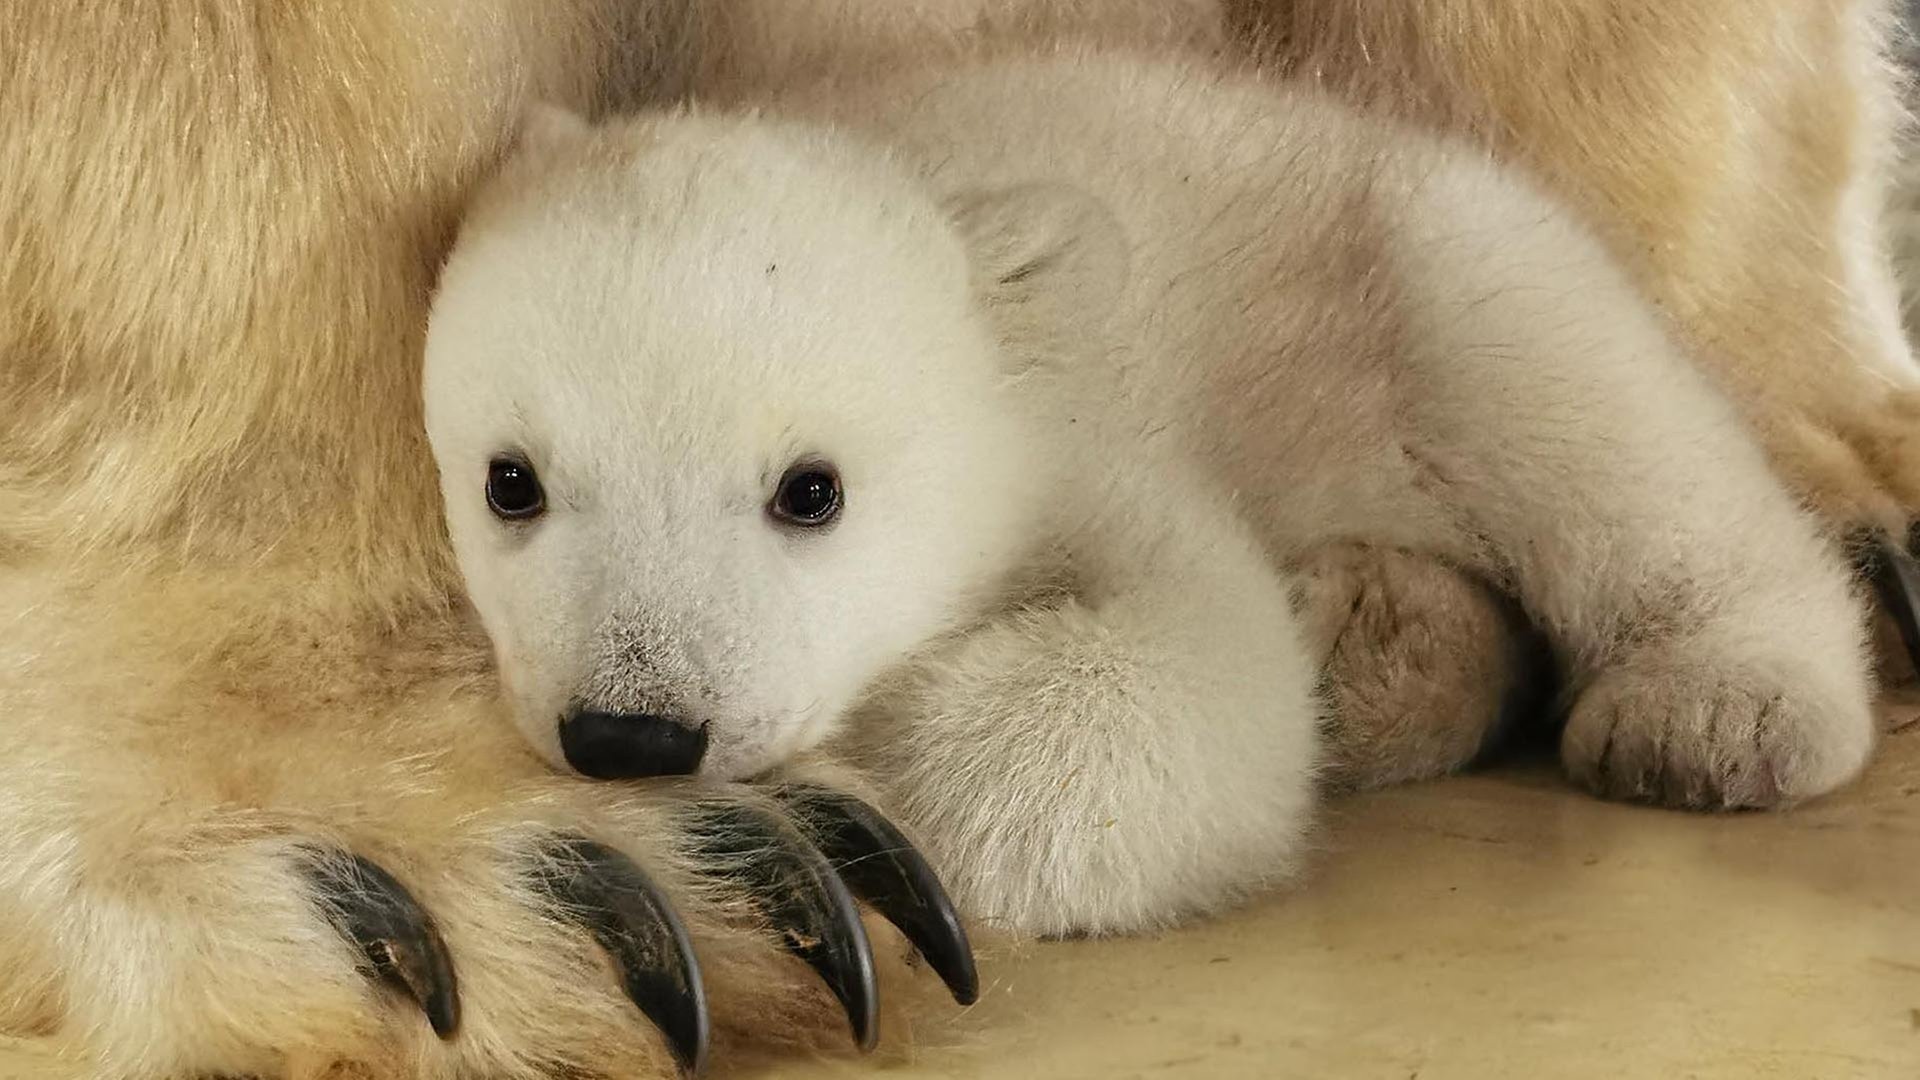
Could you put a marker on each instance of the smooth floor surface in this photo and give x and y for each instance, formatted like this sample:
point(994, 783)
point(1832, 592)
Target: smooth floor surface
point(1484, 927)
point(1504, 926)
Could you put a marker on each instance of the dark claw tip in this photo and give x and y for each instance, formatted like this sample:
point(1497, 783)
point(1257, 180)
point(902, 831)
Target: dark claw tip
point(884, 869)
point(401, 945)
point(614, 900)
point(1896, 577)
point(797, 890)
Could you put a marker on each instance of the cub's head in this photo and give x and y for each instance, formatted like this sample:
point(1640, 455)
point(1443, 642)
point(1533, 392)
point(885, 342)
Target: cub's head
point(727, 424)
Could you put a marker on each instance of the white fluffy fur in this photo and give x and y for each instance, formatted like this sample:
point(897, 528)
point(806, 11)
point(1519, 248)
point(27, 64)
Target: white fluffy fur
point(1101, 347)
point(230, 625)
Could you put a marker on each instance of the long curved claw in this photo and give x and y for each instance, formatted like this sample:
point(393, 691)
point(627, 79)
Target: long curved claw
point(398, 938)
point(884, 869)
point(613, 899)
point(801, 895)
point(1896, 577)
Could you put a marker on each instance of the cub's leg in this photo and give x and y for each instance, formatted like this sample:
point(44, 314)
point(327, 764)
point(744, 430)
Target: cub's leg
point(1116, 757)
point(1712, 642)
point(1423, 664)
point(239, 837)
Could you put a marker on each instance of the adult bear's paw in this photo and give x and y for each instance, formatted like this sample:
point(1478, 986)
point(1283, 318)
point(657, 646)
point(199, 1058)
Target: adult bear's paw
point(793, 862)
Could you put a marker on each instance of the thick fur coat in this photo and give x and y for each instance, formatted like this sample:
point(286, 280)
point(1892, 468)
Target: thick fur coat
point(231, 629)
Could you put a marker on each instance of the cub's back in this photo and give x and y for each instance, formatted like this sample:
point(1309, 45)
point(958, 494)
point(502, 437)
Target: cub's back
point(1264, 314)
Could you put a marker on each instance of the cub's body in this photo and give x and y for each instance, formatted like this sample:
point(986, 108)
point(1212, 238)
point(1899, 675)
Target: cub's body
point(1116, 358)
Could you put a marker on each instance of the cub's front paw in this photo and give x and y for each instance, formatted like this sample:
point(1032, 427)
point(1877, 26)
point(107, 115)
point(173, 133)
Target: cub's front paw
point(798, 858)
point(1687, 735)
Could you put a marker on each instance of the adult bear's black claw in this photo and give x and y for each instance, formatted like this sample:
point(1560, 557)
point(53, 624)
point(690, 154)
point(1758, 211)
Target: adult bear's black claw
point(882, 868)
point(396, 935)
point(631, 919)
point(802, 897)
point(1896, 577)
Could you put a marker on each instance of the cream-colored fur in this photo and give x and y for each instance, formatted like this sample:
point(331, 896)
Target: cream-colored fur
point(228, 616)
point(1191, 329)
point(1735, 160)
point(229, 626)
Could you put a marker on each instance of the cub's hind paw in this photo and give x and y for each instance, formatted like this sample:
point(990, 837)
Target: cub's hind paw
point(1425, 665)
point(801, 857)
point(1669, 734)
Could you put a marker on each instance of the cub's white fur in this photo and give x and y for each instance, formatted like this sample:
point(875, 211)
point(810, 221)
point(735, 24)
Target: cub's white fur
point(1101, 347)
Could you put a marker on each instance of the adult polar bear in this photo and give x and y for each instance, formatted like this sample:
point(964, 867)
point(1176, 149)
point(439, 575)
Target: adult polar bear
point(230, 626)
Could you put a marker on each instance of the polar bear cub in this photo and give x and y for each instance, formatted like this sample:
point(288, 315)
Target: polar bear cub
point(968, 422)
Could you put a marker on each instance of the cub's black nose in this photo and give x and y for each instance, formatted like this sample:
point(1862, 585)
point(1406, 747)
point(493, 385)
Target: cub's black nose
point(622, 746)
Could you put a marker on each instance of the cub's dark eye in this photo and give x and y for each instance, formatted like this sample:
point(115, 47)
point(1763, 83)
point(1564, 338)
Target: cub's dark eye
point(513, 491)
point(809, 495)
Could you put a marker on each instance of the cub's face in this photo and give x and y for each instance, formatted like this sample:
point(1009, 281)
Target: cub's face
point(721, 434)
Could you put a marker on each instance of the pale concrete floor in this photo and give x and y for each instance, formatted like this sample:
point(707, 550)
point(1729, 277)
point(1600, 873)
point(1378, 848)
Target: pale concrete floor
point(1503, 925)
point(1485, 927)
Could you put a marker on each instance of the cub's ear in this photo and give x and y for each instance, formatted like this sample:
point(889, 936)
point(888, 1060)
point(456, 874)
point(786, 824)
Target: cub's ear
point(545, 128)
point(1048, 263)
